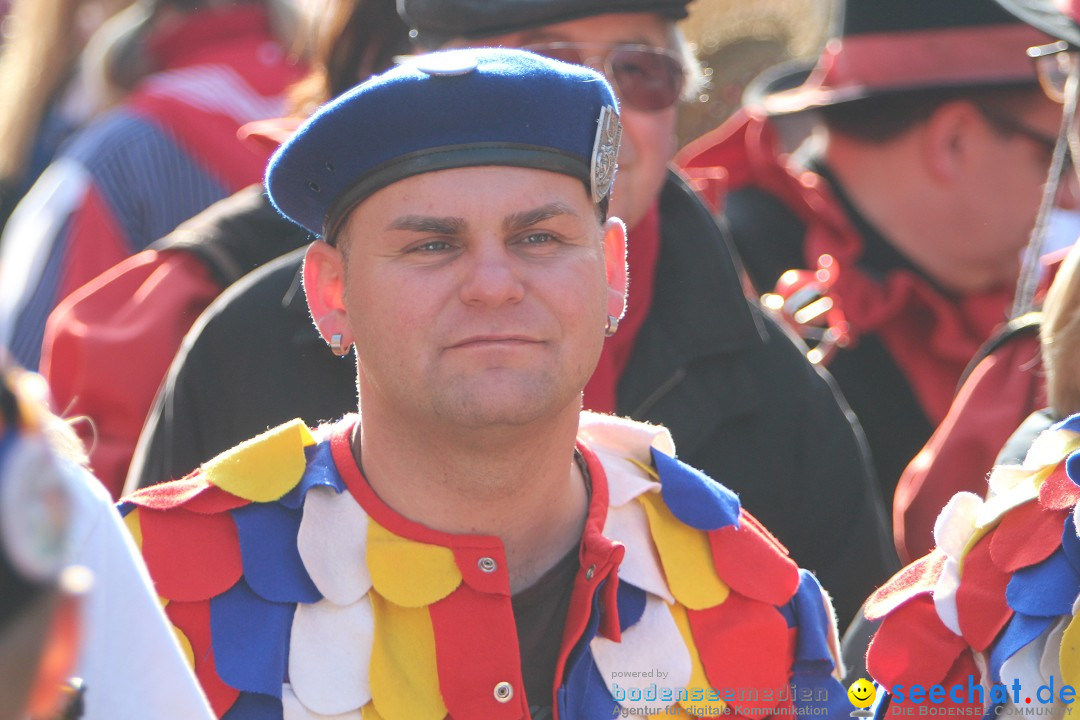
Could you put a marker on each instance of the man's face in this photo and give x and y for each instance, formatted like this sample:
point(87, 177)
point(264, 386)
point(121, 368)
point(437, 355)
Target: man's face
point(476, 296)
point(649, 140)
point(1006, 187)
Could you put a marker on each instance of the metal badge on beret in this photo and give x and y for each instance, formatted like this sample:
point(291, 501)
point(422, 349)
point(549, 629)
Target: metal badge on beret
point(605, 152)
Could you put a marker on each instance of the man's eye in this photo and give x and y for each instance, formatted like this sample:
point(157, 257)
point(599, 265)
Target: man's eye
point(431, 246)
point(538, 238)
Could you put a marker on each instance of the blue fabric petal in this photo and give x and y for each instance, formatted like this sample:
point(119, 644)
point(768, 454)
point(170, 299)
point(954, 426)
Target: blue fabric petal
point(1072, 463)
point(1021, 630)
point(631, 601)
point(820, 694)
point(1070, 423)
point(272, 564)
point(250, 637)
point(694, 497)
point(584, 695)
point(1070, 543)
point(788, 611)
point(255, 706)
point(124, 508)
point(812, 646)
point(1047, 589)
point(320, 470)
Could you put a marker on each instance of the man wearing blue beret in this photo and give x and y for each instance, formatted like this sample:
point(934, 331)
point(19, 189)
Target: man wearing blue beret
point(691, 353)
point(472, 545)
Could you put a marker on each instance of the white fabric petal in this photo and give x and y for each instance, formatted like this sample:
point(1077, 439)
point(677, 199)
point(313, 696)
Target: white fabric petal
point(1050, 663)
point(1049, 448)
point(295, 710)
point(618, 443)
point(653, 646)
point(330, 655)
point(945, 595)
point(1024, 665)
point(641, 566)
point(332, 541)
point(956, 523)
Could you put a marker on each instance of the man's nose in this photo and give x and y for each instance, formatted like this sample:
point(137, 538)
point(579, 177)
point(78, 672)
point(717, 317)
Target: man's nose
point(492, 277)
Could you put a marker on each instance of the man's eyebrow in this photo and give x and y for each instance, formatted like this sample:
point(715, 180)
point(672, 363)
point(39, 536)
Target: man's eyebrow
point(528, 218)
point(429, 224)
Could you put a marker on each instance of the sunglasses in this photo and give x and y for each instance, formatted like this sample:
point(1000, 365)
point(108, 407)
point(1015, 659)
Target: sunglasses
point(1053, 64)
point(645, 77)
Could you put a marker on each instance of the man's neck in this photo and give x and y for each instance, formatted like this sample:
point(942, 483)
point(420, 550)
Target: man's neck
point(521, 485)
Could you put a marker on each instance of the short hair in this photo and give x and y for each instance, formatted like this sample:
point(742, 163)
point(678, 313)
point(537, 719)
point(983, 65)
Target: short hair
point(883, 118)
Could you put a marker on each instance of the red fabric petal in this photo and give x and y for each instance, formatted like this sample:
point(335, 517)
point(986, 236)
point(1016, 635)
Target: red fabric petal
point(1025, 536)
point(193, 619)
point(192, 493)
point(751, 564)
point(1059, 492)
point(913, 646)
point(744, 643)
point(980, 599)
point(918, 577)
point(190, 556)
point(475, 650)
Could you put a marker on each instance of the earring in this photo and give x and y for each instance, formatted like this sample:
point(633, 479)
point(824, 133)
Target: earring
point(336, 346)
point(612, 326)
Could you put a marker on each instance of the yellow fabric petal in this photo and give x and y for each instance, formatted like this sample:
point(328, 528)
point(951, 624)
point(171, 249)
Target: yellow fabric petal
point(647, 469)
point(134, 526)
point(686, 557)
point(368, 712)
point(409, 573)
point(265, 467)
point(1070, 653)
point(185, 646)
point(404, 676)
point(698, 681)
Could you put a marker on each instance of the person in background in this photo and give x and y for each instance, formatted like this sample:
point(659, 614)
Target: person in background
point(894, 239)
point(194, 72)
point(476, 546)
point(692, 353)
point(70, 580)
point(992, 606)
point(108, 345)
point(44, 99)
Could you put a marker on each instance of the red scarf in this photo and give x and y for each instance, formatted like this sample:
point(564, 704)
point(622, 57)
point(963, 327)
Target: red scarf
point(642, 251)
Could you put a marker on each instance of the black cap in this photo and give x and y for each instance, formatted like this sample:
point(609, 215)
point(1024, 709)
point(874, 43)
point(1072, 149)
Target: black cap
point(438, 21)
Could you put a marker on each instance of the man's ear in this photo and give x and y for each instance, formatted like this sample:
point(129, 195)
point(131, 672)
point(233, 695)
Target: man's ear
point(324, 286)
point(615, 266)
point(950, 137)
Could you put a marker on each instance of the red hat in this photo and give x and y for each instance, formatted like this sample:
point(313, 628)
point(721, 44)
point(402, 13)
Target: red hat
point(890, 46)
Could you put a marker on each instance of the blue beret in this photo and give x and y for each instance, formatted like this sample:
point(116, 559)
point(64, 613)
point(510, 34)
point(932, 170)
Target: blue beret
point(437, 21)
point(452, 109)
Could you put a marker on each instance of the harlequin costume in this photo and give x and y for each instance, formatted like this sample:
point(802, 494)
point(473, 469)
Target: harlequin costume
point(904, 341)
point(995, 600)
point(298, 593)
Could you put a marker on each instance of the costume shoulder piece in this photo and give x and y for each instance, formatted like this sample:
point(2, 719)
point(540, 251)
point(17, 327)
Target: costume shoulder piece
point(756, 635)
point(993, 603)
point(299, 595)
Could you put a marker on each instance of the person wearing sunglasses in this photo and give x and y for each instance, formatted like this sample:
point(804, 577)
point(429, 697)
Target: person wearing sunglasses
point(691, 353)
point(893, 238)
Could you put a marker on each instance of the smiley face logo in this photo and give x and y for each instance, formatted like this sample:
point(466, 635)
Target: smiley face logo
point(861, 693)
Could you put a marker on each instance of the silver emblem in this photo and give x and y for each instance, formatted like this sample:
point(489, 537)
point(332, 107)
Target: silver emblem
point(446, 63)
point(605, 152)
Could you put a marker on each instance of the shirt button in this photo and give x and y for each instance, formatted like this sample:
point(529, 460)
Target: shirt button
point(487, 565)
point(504, 691)
point(590, 572)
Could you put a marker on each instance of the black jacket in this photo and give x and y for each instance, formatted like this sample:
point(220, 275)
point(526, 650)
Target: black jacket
point(736, 392)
